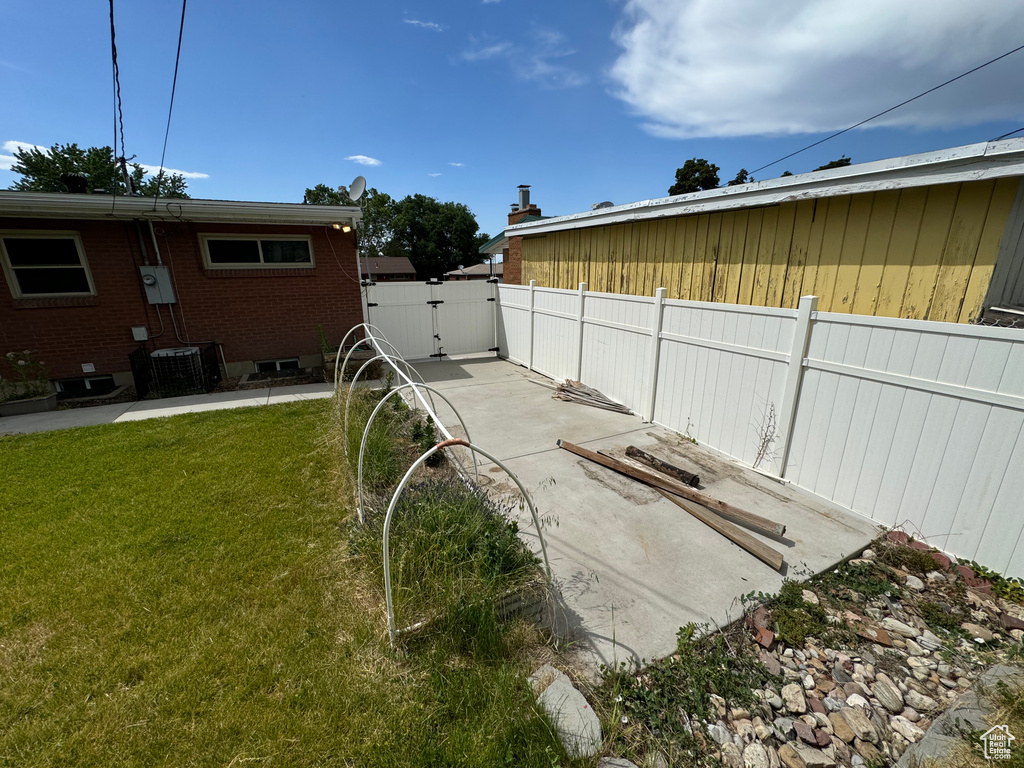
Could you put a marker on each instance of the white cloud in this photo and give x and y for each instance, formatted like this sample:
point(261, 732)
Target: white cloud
point(151, 170)
point(434, 174)
point(456, 165)
point(7, 161)
point(746, 67)
point(488, 52)
point(540, 60)
point(425, 24)
point(363, 160)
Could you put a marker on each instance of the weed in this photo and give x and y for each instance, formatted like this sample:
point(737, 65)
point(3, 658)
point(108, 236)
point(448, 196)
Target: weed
point(1008, 588)
point(942, 615)
point(907, 558)
point(794, 617)
point(859, 577)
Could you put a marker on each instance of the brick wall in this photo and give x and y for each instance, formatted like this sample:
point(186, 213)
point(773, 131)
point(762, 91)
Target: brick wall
point(513, 255)
point(254, 314)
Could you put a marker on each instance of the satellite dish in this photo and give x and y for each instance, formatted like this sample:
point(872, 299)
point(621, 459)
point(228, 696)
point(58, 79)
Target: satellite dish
point(357, 188)
point(605, 204)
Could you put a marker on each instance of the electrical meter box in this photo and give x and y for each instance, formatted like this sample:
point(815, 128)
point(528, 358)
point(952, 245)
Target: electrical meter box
point(157, 281)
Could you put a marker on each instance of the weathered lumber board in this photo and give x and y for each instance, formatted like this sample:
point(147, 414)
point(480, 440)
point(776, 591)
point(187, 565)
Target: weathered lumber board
point(663, 466)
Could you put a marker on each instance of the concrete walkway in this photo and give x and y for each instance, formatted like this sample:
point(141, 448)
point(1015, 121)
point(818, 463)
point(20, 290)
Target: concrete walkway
point(632, 567)
point(154, 409)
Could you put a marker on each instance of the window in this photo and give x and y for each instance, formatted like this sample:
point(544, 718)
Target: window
point(272, 366)
point(45, 264)
point(255, 252)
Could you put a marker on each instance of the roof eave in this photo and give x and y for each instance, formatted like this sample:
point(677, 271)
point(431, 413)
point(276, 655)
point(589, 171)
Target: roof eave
point(973, 162)
point(50, 205)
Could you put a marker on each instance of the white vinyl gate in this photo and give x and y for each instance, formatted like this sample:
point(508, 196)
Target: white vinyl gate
point(425, 320)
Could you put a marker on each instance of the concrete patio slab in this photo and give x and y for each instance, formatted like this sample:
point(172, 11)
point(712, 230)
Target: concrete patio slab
point(633, 567)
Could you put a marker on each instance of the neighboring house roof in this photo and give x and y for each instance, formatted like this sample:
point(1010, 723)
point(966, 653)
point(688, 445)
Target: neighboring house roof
point(389, 265)
point(495, 245)
point(61, 205)
point(480, 269)
point(992, 160)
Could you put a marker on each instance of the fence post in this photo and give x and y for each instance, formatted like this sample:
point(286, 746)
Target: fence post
point(579, 331)
point(529, 358)
point(654, 354)
point(791, 395)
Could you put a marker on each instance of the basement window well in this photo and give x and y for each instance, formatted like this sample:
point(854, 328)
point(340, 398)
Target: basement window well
point(45, 264)
point(255, 252)
point(272, 366)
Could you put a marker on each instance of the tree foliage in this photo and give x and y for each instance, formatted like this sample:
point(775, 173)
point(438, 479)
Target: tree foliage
point(741, 178)
point(695, 175)
point(842, 162)
point(41, 171)
point(436, 237)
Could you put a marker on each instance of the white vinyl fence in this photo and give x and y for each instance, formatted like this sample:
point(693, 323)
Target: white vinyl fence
point(906, 422)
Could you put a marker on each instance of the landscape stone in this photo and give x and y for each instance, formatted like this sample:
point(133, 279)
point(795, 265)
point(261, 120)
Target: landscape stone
point(977, 631)
point(868, 751)
point(929, 641)
point(905, 728)
point(822, 737)
point(914, 649)
point(615, 762)
point(856, 700)
point(793, 698)
point(720, 733)
point(841, 728)
point(770, 663)
point(805, 732)
point(809, 597)
point(578, 727)
point(732, 757)
point(914, 583)
point(860, 724)
point(755, 756)
point(887, 693)
point(894, 625)
point(921, 702)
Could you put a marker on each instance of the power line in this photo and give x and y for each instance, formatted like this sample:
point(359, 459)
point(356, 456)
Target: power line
point(890, 109)
point(170, 110)
point(118, 111)
point(1008, 135)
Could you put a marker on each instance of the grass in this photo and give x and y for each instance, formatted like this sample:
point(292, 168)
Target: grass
point(180, 592)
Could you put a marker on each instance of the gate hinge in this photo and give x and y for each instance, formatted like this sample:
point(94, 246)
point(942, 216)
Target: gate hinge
point(435, 303)
point(492, 299)
point(439, 354)
point(370, 304)
point(494, 349)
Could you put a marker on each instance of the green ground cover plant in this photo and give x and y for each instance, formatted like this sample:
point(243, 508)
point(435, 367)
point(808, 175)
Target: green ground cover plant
point(182, 592)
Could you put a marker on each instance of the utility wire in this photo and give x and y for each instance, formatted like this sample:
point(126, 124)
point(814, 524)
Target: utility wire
point(170, 110)
point(890, 109)
point(1007, 135)
point(118, 111)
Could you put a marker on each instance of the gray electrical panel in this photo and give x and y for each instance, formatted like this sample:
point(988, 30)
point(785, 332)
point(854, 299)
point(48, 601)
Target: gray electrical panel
point(157, 281)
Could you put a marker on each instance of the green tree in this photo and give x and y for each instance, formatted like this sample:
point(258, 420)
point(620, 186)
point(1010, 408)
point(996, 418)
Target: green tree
point(741, 178)
point(41, 171)
point(322, 194)
point(695, 175)
point(842, 162)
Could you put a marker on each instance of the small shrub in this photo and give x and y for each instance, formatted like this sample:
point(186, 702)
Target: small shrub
point(29, 376)
point(907, 558)
point(944, 616)
point(795, 618)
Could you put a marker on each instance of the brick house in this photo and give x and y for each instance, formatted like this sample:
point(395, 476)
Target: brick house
point(87, 278)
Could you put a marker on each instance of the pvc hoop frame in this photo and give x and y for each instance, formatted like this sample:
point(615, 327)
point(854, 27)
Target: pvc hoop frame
point(370, 338)
point(393, 632)
point(369, 423)
point(431, 409)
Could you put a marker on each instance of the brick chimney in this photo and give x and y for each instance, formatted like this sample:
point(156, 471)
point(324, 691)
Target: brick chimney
point(513, 255)
point(524, 207)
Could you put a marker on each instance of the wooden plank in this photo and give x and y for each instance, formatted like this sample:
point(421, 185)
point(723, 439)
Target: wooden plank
point(876, 248)
point(761, 551)
point(831, 250)
point(961, 249)
point(815, 241)
point(686, 242)
point(988, 249)
point(662, 466)
point(900, 254)
point(671, 485)
point(851, 255)
point(796, 259)
point(748, 258)
point(931, 242)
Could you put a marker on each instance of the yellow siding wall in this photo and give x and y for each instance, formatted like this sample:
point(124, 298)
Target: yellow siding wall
point(923, 253)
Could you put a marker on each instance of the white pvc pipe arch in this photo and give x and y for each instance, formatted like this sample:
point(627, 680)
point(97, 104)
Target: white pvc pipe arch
point(393, 631)
point(369, 424)
point(410, 383)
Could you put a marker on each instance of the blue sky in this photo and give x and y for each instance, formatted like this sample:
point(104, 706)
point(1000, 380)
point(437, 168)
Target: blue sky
point(464, 100)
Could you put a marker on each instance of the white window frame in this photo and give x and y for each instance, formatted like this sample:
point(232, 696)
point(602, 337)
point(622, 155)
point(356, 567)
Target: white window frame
point(204, 239)
point(43, 234)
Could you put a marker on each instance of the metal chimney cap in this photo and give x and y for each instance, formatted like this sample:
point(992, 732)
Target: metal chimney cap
point(524, 186)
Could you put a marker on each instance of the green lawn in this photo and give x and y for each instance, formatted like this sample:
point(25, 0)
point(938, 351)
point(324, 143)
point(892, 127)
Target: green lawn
point(180, 592)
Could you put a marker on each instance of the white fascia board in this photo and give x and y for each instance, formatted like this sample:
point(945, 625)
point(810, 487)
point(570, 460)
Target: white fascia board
point(498, 247)
point(973, 162)
point(52, 205)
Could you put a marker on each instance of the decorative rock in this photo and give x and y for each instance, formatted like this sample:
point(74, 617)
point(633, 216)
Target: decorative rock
point(867, 554)
point(797, 755)
point(822, 737)
point(841, 728)
point(731, 756)
point(825, 685)
point(914, 649)
point(805, 733)
point(914, 583)
point(887, 693)
point(978, 632)
point(744, 729)
point(809, 597)
point(808, 682)
point(755, 756)
point(762, 732)
point(895, 625)
point(615, 762)
point(770, 663)
point(793, 698)
point(921, 702)
point(816, 705)
point(775, 702)
point(905, 728)
point(833, 705)
point(720, 733)
point(911, 714)
point(861, 726)
point(1018, 635)
point(868, 751)
point(856, 700)
point(739, 714)
point(578, 727)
